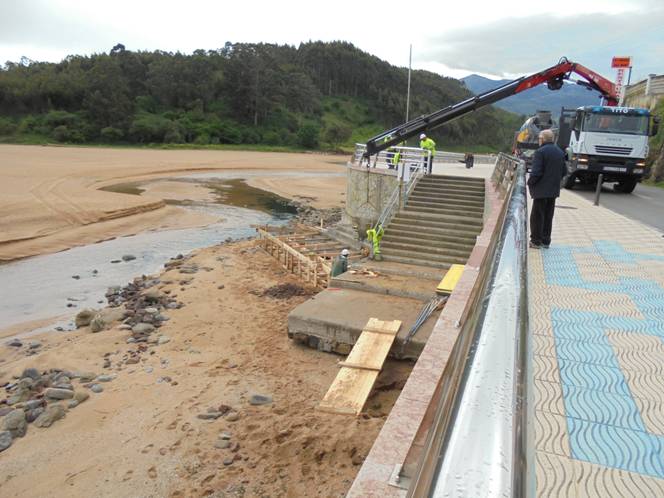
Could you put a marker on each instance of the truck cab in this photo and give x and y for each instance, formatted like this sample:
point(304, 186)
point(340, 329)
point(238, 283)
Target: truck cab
point(612, 141)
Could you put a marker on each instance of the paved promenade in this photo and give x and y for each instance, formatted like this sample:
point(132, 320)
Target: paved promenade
point(597, 319)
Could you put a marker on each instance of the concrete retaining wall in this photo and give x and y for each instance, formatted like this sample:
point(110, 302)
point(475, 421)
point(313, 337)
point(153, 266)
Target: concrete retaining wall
point(367, 192)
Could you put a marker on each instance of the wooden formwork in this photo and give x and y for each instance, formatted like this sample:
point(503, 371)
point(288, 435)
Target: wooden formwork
point(302, 250)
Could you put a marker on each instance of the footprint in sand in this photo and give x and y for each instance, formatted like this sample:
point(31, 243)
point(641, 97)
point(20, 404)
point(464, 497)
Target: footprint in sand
point(128, 475)
point(152, 472)
point(147, 448)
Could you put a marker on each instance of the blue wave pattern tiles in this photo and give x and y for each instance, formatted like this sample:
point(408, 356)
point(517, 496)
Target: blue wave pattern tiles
point(604, 422)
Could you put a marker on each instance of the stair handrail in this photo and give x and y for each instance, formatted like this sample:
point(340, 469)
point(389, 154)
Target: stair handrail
point(396, 199)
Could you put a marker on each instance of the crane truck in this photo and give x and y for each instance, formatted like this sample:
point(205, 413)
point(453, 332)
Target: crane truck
point(602, 139)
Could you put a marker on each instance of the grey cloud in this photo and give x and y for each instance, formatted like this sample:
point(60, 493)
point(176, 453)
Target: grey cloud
point(41, 23)
point(524, 45)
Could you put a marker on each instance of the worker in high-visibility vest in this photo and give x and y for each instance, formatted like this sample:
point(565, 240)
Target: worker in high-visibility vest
point(430, 146)
point(389, 154)
point(374, 235)
point(395, 160)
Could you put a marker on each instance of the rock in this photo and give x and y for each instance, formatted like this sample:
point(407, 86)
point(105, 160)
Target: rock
point(111, 315)
point(32, 415)
point(96, 388)
point(172, 306)
point(84, 317)
point(116, 261)
point(220, 287)
point(34, 345)
point(209, 416)
point(55, 393)
point(152, 310)
point(85, 376)
point(5, 440)
point(161, 318)
point(15, 343)
point(153, 340)
point(233, 417)
point(229, 461)
point(225, 435)
point(5, 410)
point(142, 328)
point(260, 399)
point(148, 369)
point(72, 403)
point(133, 360)
point(64, 385)
point(152, 295)
point(222, 444)
point(31, 373)
point(97, 324)
point(128, 257)
point(124, 326)
point(33, 403)
point(81, 396)
point(105, 378)
point(76, 277)
point(163, 340)
point(52, 414)
point(15, 423)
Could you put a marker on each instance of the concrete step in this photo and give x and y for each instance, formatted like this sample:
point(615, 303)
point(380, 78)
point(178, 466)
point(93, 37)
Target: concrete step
point(427, 250)
point(445, 197)
point(464, 189)
point(399, 238)
point(441, 192)
point(459, 214)
point(447, 206)
point(454, 179)
point(437, 221)
point(345, 235)
point(451, 181)
point(393, 258)
point(415, 231)
point(389, 285)
point(404, 270)
point(423, 259)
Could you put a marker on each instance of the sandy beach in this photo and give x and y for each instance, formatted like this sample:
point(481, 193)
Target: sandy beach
point(142, 436)
point(50, 198)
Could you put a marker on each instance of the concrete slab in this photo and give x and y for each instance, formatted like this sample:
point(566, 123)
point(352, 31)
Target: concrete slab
point(333, 320)
point(386, 284)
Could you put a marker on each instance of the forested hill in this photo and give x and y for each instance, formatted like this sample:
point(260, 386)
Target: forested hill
point(318, 95)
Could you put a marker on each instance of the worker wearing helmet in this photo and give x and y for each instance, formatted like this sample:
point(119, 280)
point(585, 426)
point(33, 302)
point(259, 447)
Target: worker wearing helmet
point(430, 146)
point(340, 264)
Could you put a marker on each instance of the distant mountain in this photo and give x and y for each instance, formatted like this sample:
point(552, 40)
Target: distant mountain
point(538, 98)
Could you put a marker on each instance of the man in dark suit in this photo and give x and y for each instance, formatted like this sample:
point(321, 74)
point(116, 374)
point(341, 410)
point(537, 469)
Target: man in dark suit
point(544, 185)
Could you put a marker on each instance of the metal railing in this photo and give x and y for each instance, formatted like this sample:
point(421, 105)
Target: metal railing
point(480, 447)
point(413, 156)
point(408, 177)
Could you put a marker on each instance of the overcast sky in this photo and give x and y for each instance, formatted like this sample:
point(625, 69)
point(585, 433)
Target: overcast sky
point(500, 38)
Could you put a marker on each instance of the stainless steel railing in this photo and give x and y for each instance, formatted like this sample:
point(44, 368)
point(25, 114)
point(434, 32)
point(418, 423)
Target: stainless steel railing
point(486, 453)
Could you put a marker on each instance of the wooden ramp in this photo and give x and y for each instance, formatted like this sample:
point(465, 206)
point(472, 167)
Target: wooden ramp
point(350, 390)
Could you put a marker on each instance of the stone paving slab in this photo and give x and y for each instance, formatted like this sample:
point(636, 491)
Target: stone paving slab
point(597, 334)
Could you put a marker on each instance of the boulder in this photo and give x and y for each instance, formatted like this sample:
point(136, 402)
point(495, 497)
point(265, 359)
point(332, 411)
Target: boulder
point(52, 414)
point(142, 328)
point(55, 393)
point(31, 373)
point(84, 317)
point(5, 440)
point(15, 423)
point(81, 396)
point(97, 324)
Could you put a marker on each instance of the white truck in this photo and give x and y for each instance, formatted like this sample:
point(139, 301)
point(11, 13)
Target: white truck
point(609, 140)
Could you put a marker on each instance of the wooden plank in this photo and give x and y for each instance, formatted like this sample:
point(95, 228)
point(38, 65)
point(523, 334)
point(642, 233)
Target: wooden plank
point(352, 386)
point(451, 278)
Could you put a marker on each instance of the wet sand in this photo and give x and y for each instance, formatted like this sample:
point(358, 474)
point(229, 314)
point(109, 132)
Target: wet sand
point(50, 200)
point(142, 437)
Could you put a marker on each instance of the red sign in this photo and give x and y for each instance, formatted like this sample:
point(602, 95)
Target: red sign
point(621, 62)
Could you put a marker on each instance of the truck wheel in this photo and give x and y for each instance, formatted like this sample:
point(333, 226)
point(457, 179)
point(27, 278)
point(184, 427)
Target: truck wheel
point(626, 186)
point(569, 181)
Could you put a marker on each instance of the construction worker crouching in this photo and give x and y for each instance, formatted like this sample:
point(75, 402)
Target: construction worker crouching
point(430, 147)
point(340, 264)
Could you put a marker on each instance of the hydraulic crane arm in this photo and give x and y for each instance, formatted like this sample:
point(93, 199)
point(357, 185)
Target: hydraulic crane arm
point(553, 77)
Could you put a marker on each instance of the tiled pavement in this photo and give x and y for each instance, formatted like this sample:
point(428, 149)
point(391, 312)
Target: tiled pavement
point(597, 324)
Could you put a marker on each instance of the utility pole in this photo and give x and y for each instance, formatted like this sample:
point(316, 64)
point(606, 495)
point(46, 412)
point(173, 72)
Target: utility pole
point(410, 60)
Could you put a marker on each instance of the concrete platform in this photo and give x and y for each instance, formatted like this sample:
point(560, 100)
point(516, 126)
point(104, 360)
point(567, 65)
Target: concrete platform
point(333, 320)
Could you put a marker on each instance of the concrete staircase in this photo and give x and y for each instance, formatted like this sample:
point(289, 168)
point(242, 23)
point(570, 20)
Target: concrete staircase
point(439, 225)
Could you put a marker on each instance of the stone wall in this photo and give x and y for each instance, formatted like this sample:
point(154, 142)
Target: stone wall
point(645, 93)
point(367, 192)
